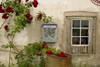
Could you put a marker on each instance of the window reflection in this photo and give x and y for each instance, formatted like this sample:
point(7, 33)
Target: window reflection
point(84, 40)
point(76, 23)
point(84, 23)
point(76, 32)
point(84, 32)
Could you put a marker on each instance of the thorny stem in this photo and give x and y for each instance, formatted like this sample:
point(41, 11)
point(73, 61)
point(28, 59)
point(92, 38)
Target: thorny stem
point(3, 24)
point(9, 56)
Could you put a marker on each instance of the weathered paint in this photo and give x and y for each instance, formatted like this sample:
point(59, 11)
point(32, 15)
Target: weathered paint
point(56, 8)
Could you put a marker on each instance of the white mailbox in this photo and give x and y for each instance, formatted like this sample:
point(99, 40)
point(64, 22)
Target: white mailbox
point(49, 32)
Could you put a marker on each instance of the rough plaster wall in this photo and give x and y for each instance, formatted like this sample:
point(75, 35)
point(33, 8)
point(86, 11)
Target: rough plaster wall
point(55, 8)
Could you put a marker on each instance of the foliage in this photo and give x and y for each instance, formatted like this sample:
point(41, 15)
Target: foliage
point(20, 13)
point(44, 17)
point(30, 52)
point(2, 65)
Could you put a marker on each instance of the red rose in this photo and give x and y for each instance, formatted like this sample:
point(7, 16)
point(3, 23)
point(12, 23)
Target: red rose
point(27, 0)
point(5, 16)
point(0, 6)
point(82, 43)
point(65, 55)
point(30, 18)
point(27, 15)
point(47, 52)
point(38, 54)
point(43, 46)
point(40, 16)
point(19, 1)
point(73, 42)
point(58, 54)
point(62, 52)
point(9, 9)
point(6, 27)
point(35, 3)
point(50, 52)
point(62, 55)
point(78, 42)
point(2, 11)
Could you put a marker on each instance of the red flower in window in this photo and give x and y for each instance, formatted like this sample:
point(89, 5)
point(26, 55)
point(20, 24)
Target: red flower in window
point(5, 16)
point(35, 3)
point(9, 9)
point(73, 42)
point(78, 42)
point(82, 43)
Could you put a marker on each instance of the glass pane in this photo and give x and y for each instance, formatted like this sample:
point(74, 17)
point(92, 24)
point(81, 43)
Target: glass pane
point(84, 32)
point(75, 40)
point(85, 23)
point(76, 23)
point(84, 40)
point(76, 32)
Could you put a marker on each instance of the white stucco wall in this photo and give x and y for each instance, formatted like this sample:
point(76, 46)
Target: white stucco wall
point(56, 8)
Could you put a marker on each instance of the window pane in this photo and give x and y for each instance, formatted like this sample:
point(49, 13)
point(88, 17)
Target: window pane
point(84, 32)
point(76, 32)
point(84, 40)
point(75, 40)
point(76, 23)
point(84, 23)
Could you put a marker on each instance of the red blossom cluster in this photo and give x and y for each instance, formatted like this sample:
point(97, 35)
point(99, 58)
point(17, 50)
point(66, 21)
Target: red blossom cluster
point(27, 0)
point(9, 9)
point(43, 45)
point(6, 27)
point(5, 16)
point(73, 42)
point(1, 10)
point(28, 16)
point(38, 54)
point(49, 52)
point(35, 3)
point(19, 1)
point(82, 43)
point(40, 16)
point(62, 54)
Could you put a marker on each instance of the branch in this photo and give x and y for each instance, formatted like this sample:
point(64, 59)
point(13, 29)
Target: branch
point(3, 23)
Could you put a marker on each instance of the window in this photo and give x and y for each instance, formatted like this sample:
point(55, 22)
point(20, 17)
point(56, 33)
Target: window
point(80, 31)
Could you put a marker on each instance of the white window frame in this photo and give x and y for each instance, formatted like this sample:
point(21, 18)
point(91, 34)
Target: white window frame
point(80, 32)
